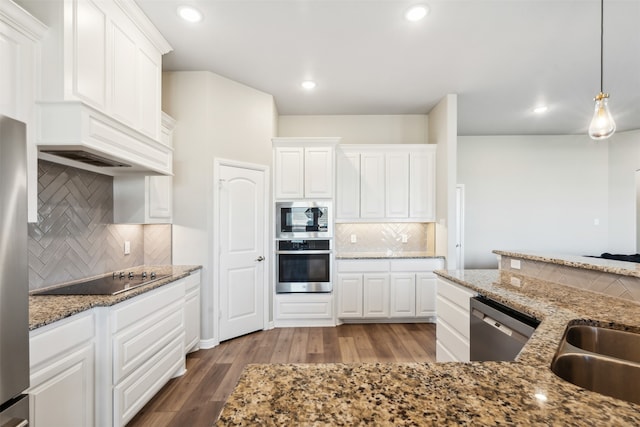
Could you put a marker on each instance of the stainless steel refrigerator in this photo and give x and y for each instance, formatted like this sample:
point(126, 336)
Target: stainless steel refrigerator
point(14, 276)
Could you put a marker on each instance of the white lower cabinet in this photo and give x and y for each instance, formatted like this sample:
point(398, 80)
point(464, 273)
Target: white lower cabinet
point(62, 373)
point(452, 330)
point(100, 367)
point(299, 310)
point(387, 288)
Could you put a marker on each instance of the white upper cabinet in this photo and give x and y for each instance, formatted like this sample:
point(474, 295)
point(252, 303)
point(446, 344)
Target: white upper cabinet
point(100, 81)
point(304, 167)
point(386, 183)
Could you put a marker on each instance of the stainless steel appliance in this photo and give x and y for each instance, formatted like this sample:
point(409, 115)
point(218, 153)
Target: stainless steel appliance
point(14, 276)
point(498, 332)
point(303, 220)
point(111, 284)
point(303, 266)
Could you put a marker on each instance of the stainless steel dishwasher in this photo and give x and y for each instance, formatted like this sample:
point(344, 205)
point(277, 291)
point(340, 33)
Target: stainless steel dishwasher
point(497, 332)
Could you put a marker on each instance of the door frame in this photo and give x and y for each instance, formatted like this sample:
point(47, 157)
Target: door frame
point(460, 200)
point(217, 164)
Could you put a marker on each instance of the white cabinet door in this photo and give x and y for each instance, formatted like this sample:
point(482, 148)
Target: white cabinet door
point(372, 185)
point(192, 312)
point(422, 185)
point(149, 93)
point(159, 191)
point(347, 185)
point(425, 295)
point(350, 288)
point(452, 331)
point(89, 54)
point(376, 295)
point(403, 295)
point(124, 99)
point(318, 172)
point(289, 172)
point(397, 185)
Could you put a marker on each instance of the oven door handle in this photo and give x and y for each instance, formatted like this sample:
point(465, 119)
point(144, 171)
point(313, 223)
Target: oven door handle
point(302, 252)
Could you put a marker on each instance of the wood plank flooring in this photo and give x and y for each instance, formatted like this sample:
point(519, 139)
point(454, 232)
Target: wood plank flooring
point(196, 398)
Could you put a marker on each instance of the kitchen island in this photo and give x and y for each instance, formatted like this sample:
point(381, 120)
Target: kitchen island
point(524, 392)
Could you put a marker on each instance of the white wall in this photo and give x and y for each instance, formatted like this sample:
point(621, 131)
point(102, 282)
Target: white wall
point(215, 117)
point(624, 161)
point(533, 193)
point(443, 130)
point(359, 129)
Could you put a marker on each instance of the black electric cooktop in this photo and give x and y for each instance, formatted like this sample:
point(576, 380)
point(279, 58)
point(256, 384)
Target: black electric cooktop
point(108, 285)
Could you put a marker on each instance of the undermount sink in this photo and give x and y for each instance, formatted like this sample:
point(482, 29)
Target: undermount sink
point(600, 359)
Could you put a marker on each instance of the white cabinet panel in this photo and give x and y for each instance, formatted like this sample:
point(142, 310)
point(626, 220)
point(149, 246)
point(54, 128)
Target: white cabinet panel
point(397, 185)
point(149, 75)
point(425, 294)
point(298, 310)
point(350, 294)
point(403, 295)
point(89, 53)
point(452, 331)
point(289, 172)
point(192, 312)
point(376, 295)
point(347, 185)
point(124, 99)
point(318, 172)
point(372, 182)
point(422, 188)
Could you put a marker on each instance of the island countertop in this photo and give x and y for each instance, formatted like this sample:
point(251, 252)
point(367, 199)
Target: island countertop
point(524, 392)
point(46, 309)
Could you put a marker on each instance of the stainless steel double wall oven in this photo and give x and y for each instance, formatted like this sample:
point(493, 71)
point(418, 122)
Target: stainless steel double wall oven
point(304, 233)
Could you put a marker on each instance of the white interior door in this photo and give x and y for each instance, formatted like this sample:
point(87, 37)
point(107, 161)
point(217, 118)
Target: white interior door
point(241, 213)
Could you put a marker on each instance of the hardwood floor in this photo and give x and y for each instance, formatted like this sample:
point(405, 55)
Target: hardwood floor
point(196, 398)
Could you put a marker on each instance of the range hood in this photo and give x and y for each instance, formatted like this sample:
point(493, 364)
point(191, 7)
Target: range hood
point(75, 134)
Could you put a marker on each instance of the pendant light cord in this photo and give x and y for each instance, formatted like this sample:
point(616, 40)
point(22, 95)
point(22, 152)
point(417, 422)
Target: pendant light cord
point(601, 45)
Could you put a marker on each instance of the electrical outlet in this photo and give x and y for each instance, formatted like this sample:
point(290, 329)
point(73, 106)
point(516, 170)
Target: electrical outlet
point(354, 238)
point(405, 238)
point(127, 247)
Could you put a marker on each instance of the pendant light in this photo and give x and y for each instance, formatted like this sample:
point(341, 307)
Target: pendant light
point(602, 125)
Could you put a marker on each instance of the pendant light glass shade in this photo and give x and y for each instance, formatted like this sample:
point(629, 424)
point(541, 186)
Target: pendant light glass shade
point(602, 125)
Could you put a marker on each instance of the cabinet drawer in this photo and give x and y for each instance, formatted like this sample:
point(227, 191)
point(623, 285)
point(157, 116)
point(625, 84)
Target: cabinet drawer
point(443, 355)
point(192, 282)
point(139, 387)
point(455, 293)
point(309, 307)
point(453, 342)
point(416, 265)
point(453, 315)
point(50, 341)
point(135, 345)
point(363, 266)
point(145, 305)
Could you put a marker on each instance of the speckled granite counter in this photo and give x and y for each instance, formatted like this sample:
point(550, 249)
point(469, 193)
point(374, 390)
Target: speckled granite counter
point(47, 309)
point(386, 255)
point(478, 393)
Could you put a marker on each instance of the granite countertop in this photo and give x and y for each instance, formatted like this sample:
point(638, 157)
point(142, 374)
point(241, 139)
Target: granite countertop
point(386, 255)
point(46, 309)
point(477, 393)
point(624, 268)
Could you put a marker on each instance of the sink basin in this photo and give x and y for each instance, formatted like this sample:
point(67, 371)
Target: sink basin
point(599, 359)
point(609, 342)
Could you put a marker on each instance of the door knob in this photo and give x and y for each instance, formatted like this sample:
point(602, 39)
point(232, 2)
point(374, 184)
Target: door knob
point(260, 258)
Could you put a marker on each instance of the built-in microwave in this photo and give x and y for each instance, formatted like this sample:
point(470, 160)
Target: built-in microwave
point(303, 220)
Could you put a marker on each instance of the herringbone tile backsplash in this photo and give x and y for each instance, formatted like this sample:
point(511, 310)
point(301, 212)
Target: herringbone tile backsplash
point(74, 237)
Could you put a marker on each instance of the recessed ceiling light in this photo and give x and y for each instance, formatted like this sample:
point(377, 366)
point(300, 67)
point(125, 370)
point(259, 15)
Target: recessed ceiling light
point(541, 109)
point(308, 84)
point(190, 14)
point(416, 13)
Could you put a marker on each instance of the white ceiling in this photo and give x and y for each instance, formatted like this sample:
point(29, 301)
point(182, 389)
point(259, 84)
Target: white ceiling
point(502, 57)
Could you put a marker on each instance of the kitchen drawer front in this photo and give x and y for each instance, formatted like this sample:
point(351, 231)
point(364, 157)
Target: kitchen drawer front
point(416, 265)
point(192, 281)
point(363, 266)
point(304, 307)
point(455, 316)
point(138, 388)
point(146, 305)
point(455, 344)
point(48, 342)
point(455, 293)
point(133, 346)
point(443, 354)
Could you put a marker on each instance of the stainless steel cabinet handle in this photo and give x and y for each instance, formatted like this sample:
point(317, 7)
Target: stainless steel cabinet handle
point(260, 258)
